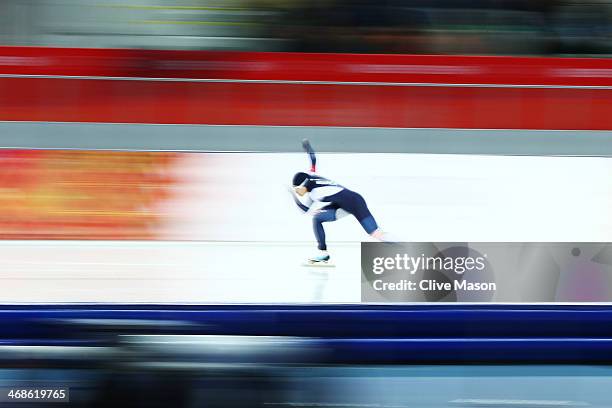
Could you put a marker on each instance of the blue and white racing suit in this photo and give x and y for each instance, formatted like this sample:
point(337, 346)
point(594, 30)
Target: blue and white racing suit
point(328, 201)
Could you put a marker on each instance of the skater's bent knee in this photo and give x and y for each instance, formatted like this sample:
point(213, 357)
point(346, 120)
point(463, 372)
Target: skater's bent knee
point(324, 216)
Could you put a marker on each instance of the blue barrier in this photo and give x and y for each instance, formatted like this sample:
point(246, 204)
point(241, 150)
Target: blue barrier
point(334, 321)
point(351, 333)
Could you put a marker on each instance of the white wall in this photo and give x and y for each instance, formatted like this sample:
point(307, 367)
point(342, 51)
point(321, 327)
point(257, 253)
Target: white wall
point(243, 197)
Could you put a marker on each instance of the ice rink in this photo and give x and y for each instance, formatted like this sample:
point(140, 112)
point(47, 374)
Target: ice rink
point(230, 233)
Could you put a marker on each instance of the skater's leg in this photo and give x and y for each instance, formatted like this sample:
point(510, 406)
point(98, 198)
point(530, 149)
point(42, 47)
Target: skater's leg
point(318, 219)
point(370, 226)
point(361, 211)
point(350, 202)
point(340, 213)
point(367, 221)
point(317, 226)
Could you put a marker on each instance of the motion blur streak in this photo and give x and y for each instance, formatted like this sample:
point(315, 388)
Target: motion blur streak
point(310, 356)
point(561, 27)
point(82, 195)
point(293, 89)
point(163, 279)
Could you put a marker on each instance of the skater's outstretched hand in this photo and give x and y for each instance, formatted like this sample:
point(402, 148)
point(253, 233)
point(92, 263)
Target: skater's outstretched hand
point(296, 199)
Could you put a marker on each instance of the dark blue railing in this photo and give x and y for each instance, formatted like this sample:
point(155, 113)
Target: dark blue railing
point(352, 333)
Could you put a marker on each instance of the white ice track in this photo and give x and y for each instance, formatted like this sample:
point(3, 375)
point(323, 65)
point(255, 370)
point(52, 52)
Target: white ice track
point(174, 272)
point(225, 198)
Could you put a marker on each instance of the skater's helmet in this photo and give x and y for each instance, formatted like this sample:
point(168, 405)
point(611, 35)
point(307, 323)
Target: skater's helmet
point(299, 179)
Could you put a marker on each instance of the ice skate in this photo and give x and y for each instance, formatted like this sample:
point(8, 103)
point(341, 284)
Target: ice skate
point(322, 259)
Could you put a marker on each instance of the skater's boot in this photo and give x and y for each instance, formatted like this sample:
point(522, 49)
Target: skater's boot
point(383, 236)
point(321, 258)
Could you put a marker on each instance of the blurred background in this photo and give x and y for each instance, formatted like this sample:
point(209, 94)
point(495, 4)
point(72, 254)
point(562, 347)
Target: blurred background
point(492, 27)
point(151, 257)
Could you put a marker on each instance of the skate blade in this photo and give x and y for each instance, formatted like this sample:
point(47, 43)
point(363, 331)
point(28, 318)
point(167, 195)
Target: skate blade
point(319, 264)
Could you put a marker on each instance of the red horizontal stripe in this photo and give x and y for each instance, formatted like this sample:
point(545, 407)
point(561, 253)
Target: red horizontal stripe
point(305, 67)
point(78, 100)
point(83, 100)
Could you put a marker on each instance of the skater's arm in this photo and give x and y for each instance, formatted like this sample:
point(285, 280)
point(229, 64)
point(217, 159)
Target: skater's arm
point(299, 204)
point(297, 201)
point(315, 207)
